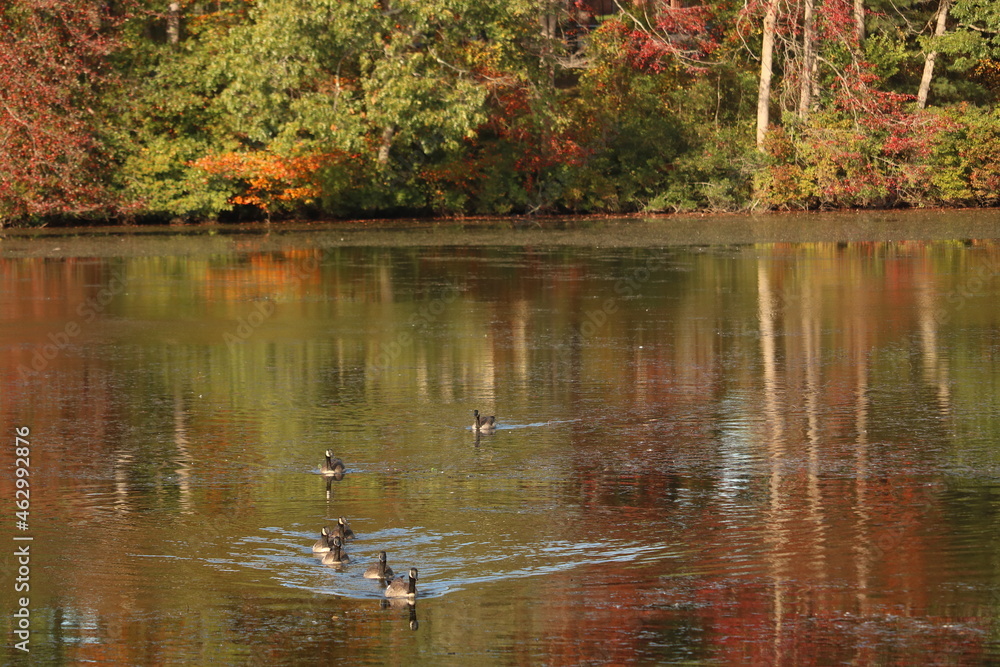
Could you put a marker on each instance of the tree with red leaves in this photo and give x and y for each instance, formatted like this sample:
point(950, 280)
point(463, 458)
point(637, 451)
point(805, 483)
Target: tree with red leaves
point(52, 67)
point(667, 34)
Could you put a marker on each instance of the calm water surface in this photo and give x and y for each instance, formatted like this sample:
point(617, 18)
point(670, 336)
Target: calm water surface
point(736, 441)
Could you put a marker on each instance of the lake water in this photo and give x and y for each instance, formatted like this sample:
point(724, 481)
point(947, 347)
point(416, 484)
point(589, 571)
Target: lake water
point(769, 440)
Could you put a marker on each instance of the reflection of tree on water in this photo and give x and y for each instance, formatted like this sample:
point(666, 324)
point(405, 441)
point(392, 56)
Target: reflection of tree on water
point(400, 603)
point(774, 461)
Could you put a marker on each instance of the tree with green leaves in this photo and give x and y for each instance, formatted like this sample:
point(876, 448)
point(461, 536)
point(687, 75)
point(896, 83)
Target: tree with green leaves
point(967, 32)
point(383, 89)
point(189, 109)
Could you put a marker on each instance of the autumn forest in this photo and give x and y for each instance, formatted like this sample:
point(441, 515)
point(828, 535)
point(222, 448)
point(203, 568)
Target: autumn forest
point(153, 110)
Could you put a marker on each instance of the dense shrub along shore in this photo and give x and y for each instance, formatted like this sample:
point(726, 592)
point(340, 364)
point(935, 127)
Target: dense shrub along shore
point(136, 111)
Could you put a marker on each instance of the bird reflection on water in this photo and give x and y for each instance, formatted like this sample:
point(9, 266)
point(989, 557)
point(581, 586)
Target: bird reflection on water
point(402, 603)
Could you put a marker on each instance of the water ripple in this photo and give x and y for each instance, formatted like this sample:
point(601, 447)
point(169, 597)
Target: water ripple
point(447, 562)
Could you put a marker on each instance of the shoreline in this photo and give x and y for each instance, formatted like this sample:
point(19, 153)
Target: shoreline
point(596, 231)
point(471, 220)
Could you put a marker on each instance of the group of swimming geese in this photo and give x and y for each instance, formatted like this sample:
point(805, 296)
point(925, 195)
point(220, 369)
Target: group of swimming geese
point(331, 545)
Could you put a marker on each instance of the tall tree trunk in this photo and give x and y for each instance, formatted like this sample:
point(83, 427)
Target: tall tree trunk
point(174, 23)
point(859, 23)
point(383, 150)
point(766, 71)
point(925, 80)
point(808, 58)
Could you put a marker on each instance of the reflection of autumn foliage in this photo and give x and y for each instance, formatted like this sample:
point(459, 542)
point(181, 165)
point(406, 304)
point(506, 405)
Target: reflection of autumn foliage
point(291, 274)
point(268, 179)
point(805, 534)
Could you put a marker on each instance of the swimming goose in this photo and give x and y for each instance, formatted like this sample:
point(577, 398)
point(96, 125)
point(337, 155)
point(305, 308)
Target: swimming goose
point(331, 465)
point(401, 588)
point(323, 543)
point(344, 530)
point(380, 570)
point(335, 556)
point(483, 424)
